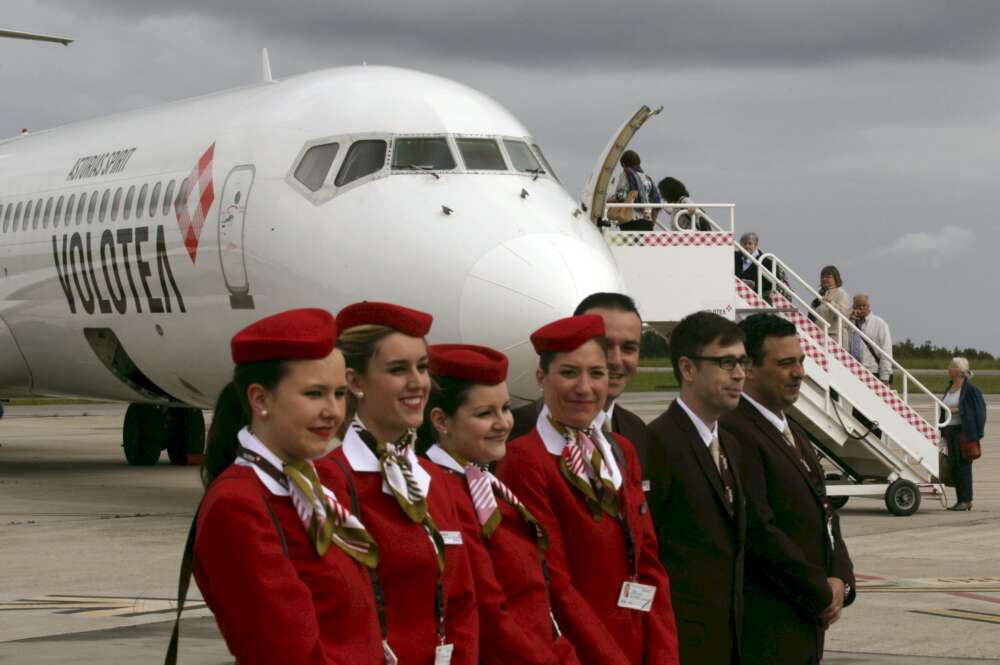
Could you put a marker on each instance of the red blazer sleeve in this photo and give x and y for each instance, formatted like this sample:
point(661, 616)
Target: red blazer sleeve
point(524, 473)
point(265, 613)
point(502, 641)
point(660, 624)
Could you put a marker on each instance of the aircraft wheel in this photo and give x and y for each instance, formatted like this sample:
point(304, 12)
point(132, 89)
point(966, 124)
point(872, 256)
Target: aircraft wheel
point(902, 498)
point(144, 434)
point(186, 435)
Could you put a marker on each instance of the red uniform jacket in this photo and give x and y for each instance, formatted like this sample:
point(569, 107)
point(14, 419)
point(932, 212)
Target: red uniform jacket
point(408, 566)
point(296, 609)
point(588, 562)
point(515, 626)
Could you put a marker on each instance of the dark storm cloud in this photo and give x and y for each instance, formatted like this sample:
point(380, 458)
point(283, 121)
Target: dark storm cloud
point(642, 34)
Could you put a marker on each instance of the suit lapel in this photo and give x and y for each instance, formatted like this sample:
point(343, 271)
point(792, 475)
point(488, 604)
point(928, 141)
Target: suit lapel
point(700, 450)
point(777, 440)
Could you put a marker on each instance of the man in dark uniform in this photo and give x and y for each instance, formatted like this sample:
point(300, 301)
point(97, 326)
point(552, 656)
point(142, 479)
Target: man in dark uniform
point(623, 328)
point(695, 496)
point(799, 575)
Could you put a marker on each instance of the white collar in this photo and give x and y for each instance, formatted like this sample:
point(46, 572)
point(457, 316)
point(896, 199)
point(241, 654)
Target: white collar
point(363, 460)
point(255, 445)
point(442, 457)
point(554, 442)
point(779, 423)
point(706, 434)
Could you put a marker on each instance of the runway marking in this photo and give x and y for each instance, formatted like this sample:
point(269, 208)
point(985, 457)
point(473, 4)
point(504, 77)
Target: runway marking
point(930, 585)
point(98, 606)
point(967, 615)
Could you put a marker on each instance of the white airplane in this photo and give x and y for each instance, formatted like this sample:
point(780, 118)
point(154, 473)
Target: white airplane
point(133, 246)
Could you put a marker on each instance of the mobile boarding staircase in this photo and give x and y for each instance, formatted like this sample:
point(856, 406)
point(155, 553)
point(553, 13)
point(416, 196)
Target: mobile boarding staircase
point(676, 271)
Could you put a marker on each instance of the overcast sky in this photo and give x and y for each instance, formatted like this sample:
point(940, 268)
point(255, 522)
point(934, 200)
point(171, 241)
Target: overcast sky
point(864, 134)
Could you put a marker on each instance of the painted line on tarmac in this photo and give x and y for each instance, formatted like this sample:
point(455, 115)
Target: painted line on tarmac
point(967, 615)
point(98, 606)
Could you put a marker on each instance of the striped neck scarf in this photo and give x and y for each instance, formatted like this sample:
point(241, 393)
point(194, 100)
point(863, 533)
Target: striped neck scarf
point(325, 519)
point(582, 464)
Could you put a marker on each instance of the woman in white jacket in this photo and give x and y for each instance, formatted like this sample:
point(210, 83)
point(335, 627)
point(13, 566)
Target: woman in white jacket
point(833, 299)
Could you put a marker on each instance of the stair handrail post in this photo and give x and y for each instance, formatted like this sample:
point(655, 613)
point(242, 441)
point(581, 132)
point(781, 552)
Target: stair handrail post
point(845, 322)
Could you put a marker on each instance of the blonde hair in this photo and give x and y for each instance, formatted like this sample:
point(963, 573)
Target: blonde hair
point(963, 366)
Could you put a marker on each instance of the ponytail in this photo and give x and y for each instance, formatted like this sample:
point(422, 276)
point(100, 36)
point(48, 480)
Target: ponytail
point(232, 413)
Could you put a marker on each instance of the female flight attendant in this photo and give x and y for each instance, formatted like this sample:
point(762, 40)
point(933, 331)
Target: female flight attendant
point(423, 583)
point(279, 559)
point(610, 593)
point(469, 410)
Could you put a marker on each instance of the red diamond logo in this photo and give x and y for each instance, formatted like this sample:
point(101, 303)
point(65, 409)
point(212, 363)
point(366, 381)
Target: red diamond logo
point(199, 194)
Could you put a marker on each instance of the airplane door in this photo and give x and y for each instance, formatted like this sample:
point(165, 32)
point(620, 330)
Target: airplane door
point(232, 214)
point(15, 378)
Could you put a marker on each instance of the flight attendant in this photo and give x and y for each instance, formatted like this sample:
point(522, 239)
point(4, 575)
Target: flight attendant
point(280, 560)
point(423, 583)
point(470, 417)
point(610, 593)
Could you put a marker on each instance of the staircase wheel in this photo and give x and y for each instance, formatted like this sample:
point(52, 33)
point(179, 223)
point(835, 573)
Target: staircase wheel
point(902, 498)
point(838, 502)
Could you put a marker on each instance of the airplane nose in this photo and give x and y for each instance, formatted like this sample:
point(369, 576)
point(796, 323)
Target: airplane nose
point(525, 283)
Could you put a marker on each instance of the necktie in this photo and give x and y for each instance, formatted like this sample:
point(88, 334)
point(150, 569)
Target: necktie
point(790, 440)
point(713, 449)
point(722, 464)
point(325, 519)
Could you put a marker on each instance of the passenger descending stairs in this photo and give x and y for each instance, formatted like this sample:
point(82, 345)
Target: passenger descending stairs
point(899, 459)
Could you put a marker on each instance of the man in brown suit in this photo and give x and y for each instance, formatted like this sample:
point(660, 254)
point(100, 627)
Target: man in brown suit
point(695, 496)
point(799, 575)
point(623, 328)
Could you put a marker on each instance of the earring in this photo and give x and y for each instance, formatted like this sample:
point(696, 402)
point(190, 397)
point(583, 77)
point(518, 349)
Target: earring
point(360, 394)
point(263, 413)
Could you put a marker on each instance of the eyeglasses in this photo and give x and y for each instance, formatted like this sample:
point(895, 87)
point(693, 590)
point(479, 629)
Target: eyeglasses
point(728, 363)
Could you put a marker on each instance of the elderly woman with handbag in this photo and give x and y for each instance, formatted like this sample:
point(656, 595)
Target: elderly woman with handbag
point(962, 434)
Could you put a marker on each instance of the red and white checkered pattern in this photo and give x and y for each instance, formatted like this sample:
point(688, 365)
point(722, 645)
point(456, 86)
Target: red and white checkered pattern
point(813, 341)
point(669, 239)
point(200, 183)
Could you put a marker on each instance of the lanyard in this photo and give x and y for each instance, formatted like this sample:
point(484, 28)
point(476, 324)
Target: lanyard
point(379, 590)
point(262, 464)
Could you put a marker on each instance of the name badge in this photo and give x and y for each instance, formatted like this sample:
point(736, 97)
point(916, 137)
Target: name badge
point(390, 655)
point(451, 538)
point(645, 486)
point(442, 654)
point(635, 596)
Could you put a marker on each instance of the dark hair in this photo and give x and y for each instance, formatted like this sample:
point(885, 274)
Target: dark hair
point(832, 272)
point(606, 300)
point(232, 413)
point(447, 393)
point(545, 358)
point(672, 190)
point(630, 159)
point(757, 328)
point(695, 332)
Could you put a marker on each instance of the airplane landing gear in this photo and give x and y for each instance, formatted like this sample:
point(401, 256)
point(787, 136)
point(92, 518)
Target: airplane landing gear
point(150, 428)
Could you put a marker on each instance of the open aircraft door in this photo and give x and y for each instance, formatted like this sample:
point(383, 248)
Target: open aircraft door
point(595, 191)
point(15, 378)
point(232, 215)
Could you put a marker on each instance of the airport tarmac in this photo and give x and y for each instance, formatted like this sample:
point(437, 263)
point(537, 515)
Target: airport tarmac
point(91, 548)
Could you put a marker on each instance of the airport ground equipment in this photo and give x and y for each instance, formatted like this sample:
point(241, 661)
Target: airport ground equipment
point(876, 441)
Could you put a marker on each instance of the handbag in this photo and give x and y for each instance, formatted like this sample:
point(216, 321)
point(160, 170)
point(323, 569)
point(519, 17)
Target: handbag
point(945, 475)
point(621, 215)
point(971, 450)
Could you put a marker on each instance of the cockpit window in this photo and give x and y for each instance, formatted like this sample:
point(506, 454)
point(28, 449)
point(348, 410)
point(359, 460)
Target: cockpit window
point(481, 154)
point(545, 162)
point(521, 157)
point(315, 165)
point(363, 158)
point(422, 154)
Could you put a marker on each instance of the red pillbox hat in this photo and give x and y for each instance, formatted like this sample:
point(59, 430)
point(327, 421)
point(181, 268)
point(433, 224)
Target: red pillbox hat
point(298, 334)
point(407, 321)
point(567, 334)
point(479, 364)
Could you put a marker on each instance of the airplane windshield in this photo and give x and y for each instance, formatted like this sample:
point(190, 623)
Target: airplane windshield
point(423, 154)
point(481, 154)
point(522, 158)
